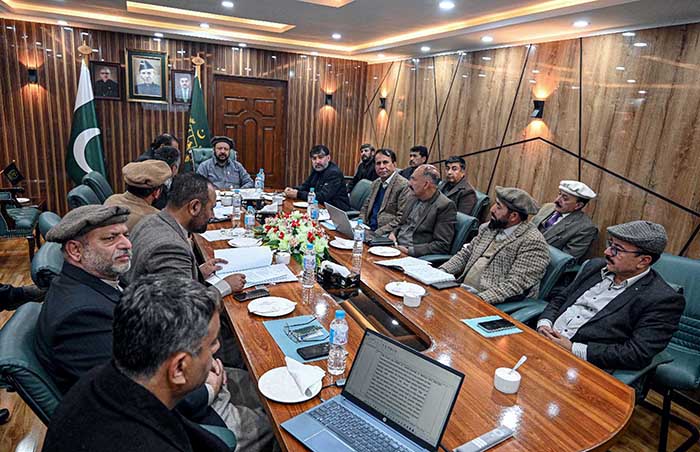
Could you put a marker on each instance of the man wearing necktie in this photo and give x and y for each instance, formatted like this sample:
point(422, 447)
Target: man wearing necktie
point(183, 91)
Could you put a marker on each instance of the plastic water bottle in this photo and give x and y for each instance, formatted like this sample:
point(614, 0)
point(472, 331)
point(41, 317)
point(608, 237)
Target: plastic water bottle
point(312, 196)
point(262, 176)
point(313, 210)
point(236, 208)
point(338, 339)
point(309, 277)
point(249, 222)
point(358, 247)
point(259, 183)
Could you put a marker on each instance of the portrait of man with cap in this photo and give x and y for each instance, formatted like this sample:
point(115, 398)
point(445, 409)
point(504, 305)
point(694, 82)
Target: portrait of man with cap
point(144, 184)
point(148, 78)
point(618, 313)
point(564, 224)
point(508, 257)
point(224, 170)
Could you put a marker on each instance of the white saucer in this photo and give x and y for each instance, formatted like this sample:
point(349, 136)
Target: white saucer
point(279, 386)
point(399, 288)
point(301, 204)
point(271, 306)
point(342, 244)
point(23, 200)
point(244, 242)
point(384, 251)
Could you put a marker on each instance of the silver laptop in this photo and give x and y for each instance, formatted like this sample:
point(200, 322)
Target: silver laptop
point(341, 221)
point(395, 399)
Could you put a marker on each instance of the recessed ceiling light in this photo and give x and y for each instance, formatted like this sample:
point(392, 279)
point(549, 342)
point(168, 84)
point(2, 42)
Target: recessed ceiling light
point(629, 34)
point(158, 35)
point(641, 91)
point(619, 68)
point(487, 39)
point(336, 36)
point(380, 55)
point(446, 5)
point(631, 81)
point(486, 58)
point(425, 49)
point(640, 44)
point(314, 53)
point(535, 71)
point(204, 25)
point(581, 24)
point(242, 44)
point(62, 22)
point(227, 4)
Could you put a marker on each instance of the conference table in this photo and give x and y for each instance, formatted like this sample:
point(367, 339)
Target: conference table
point(563, 404)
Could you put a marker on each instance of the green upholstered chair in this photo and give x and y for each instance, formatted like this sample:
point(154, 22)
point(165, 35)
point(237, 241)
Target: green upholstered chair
point(82, 195)
point(21, 371)
point(199, 155)
point(17, 221)
point(47, 264)
point(359, 194)
point(99, 185)
point(463, 229)
point(482, 203)
point(47, 220)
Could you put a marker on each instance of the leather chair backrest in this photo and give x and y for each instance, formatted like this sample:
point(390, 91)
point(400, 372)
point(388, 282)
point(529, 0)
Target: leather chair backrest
point(684, 272)
point(200, 155)
point(20, 368)
point(82, 195)
point(99, 185)
point(559, 261)
point(47, 264)
point(360, 193)
point(482, 202)
point(465, 225)
point(47, 220)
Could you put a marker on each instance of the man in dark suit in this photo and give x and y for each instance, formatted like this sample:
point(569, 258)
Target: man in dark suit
point(417, 156)
point(326, 179)
point(105, 86)
point(128, 403)
point(365, 170)
point(618, 313)
point(456, 187)
point(183, 91)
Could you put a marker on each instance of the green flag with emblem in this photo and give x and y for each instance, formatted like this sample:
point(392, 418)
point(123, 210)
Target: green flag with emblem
point(198, 135)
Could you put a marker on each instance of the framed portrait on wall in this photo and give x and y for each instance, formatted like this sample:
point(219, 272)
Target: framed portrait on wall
point(106, 80)
point(181, 83)
point(147, 76)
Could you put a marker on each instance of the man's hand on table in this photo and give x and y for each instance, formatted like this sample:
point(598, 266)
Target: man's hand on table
point(211, 266)
point(290, 192)
point(236, 281)
point(554, 336)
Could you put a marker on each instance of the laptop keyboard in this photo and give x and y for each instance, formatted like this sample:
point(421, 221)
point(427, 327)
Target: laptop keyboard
point(353, 430)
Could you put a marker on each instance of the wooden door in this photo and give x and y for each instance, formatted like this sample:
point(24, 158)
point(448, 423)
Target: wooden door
point(253, 113)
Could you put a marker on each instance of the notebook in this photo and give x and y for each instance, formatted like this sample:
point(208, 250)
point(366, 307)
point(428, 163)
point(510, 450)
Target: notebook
point(419, 270)
point(255, 263)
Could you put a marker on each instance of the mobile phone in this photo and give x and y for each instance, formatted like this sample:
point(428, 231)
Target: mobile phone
point(314, 351)
point(251, 294)
point(493, 326)
point(445, 284)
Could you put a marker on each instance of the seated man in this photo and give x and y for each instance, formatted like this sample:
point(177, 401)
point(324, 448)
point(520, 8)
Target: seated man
point(365, 170)
point(12, 297)
point(326, 179)
point(417, 156)
point(388, 195)
point(563, 223)
point(165, 334)
point(427, 225)
point(224, 173)
point(618, 313)
point(164, 139)
point(171, 156)
point(456, 186)
point(508, 257)
point(144, 183)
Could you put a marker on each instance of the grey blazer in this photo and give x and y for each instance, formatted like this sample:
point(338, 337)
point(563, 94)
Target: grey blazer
point(435, 231)
point(393, 204)
point(160, 245)
point(573, 234)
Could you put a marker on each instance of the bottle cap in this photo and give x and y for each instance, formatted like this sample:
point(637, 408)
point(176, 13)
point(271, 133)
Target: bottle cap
point(359, 221)
point(316, 202)
point(236, 191)
point(339, 314)
point(309, 246)
point(311, 189)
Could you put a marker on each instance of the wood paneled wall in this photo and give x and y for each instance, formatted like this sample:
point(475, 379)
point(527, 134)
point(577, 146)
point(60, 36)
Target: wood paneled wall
point(627, 115)
point(35, 120)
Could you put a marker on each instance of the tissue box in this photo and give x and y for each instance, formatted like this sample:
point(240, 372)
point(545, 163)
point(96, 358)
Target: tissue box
point(329, 280)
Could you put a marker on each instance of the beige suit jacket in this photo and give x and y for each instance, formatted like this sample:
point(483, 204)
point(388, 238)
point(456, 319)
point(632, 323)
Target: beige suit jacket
point(393, 204)
point(138, 208)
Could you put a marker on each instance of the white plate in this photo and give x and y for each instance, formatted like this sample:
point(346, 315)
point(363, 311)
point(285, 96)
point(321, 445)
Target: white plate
point(244, 242)
point(235, 232)
point(301, 204)
point(23, 200)
point(271, 306)
point(278, 385)
point(399, 288)
point(384, 251)
point(342, 244)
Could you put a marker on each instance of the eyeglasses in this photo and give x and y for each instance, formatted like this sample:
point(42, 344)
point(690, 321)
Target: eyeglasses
point(615, 250)
point(305, 331)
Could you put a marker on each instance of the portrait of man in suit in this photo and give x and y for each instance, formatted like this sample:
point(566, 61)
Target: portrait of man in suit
point(182, 86)
point(106, 81)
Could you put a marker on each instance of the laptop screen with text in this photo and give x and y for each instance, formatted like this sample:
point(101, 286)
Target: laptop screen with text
point(414, 393)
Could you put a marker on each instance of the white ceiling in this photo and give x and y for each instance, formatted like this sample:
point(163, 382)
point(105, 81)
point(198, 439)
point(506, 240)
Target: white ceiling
point(396, 28)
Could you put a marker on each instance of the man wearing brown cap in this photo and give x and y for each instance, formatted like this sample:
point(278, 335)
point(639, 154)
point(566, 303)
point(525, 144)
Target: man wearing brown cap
point(144, 184)
point(222, 171)
point(508, 257)
point(618, 313)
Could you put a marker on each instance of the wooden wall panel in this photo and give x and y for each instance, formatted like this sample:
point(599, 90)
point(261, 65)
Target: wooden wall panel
point(400, 130)
point(35, 119)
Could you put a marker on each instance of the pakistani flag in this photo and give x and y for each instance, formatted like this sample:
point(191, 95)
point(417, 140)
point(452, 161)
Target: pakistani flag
point(198, 135)
point(84, 153)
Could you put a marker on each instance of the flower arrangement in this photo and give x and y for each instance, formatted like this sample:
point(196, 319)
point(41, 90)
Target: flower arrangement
point(291, 232)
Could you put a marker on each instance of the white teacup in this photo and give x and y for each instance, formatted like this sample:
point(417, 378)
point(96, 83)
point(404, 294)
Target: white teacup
point(283, 257)
point(412, 299)
point(506, 381)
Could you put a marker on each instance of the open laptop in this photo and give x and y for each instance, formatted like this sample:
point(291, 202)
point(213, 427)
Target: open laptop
point(395, 399)
point(341, 221)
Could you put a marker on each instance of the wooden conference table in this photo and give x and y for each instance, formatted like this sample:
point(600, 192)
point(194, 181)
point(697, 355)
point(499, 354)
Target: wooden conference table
point(564, 403)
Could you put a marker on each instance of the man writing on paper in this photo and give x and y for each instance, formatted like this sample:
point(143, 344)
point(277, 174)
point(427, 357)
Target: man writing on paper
point(387, 197)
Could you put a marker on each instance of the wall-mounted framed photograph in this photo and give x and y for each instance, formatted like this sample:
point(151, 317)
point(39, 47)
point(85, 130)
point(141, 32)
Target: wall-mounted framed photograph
point(181, 82)
point(147, 76)
point(106, 80)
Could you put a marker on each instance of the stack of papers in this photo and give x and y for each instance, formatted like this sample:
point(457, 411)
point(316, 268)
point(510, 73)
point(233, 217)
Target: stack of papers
point(419, 269)
point(255, 263)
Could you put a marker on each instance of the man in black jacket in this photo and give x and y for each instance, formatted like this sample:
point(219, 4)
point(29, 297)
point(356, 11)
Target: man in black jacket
point(618, 313)
point(165, 334)
point(326, 179)
point(365, 170)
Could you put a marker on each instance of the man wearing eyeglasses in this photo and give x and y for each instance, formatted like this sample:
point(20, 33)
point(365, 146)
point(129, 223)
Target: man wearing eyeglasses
point(618, 313)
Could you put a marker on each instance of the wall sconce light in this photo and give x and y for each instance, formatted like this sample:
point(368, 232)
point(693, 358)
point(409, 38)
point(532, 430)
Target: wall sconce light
point(33, 76)
point(329, 99)
point(539, 109)
point(382, 103)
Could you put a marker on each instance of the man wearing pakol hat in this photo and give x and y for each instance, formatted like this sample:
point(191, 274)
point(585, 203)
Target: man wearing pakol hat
point(148, 85)
point(564, 224)
point(144, 184)
point(618, 313)
point(223, 171)
point(508, 257)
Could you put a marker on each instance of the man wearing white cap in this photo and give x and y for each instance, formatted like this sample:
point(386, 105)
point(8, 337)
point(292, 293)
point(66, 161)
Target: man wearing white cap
point(564, 224)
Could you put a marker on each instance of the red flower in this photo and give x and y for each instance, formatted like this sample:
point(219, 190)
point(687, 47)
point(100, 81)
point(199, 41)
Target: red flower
point(281, 236)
